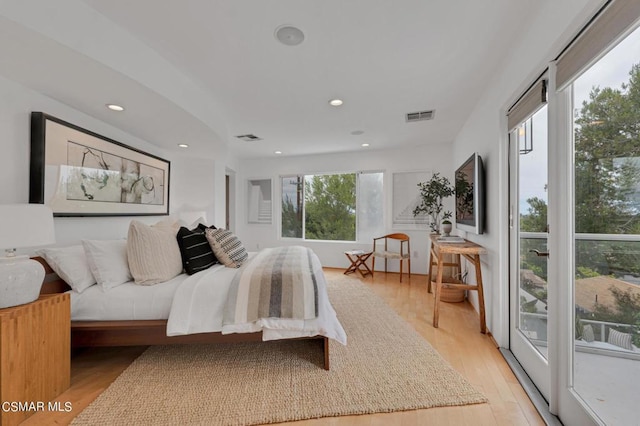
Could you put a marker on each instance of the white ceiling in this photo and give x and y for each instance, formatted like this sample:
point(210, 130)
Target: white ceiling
point(383, 58)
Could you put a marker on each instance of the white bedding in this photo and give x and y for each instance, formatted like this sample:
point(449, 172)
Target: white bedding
point(198, 307)
point(128, 301)
point(195, 304)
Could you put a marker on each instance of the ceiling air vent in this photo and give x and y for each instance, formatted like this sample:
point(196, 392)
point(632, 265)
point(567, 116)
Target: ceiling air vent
point(422, 115)
point(249, 138)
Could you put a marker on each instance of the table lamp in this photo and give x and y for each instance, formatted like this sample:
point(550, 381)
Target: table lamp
point(22, 225)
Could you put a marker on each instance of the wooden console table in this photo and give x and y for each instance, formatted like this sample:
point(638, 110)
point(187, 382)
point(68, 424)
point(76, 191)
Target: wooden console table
point(471, 252)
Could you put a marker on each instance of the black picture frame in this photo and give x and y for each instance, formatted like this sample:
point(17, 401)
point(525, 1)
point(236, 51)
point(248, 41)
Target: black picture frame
point(78, 172)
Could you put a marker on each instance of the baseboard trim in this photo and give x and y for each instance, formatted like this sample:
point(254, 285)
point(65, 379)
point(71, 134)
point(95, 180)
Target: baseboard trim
point(532, 391)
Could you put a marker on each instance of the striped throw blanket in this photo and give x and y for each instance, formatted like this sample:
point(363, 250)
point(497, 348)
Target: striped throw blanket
point(277, 283)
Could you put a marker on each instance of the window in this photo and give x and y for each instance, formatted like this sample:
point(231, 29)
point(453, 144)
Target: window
point(292, 190)
point(332, 207)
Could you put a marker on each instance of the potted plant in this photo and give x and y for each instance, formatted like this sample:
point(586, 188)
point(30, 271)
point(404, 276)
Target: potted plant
point(432, 193)
point(447, 226)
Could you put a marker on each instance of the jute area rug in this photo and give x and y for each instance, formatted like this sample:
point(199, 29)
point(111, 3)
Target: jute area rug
point(385, 367)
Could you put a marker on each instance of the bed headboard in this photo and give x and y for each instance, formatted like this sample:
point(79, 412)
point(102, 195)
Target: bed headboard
point(52, 282)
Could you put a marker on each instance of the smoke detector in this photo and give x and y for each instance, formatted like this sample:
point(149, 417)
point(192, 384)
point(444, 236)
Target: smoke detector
point(289, 35)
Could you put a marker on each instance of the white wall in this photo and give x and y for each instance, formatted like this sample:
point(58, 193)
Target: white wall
point(435, 158)
point(193, 180)
point(486, 132)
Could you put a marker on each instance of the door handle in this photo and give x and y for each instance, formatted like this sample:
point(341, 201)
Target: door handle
point(539, 253)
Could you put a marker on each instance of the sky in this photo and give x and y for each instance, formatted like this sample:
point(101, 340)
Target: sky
point(610, 71)
point(533, 166)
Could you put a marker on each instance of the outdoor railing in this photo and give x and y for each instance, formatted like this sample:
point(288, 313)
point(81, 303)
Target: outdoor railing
point(603, 327)
point(614, 255)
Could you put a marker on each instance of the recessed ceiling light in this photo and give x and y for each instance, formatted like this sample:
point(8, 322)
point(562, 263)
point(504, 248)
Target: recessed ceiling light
point(365, 144)
point(277, 152)
point(289, 35)
point(357, 132)
point(335, 102)
point(183, 145)
point(114, 107)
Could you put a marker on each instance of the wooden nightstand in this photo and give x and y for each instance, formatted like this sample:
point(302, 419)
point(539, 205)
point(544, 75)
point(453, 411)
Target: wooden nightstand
point(35, 359)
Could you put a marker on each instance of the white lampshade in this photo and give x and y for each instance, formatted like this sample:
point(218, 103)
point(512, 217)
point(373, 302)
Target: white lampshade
point(25, 225)
point(22, 225)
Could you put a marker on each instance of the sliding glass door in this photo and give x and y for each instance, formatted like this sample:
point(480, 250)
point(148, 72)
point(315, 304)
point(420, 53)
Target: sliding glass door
point(575, 225)
point(528, 246)
point(604, 359)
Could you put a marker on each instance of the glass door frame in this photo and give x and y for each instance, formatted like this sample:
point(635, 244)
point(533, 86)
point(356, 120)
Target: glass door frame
point(534, 363)
point(555, 372)
point(563, 401)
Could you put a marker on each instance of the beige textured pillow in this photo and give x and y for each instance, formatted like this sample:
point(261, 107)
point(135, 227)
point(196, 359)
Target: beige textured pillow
point(168, 223)
point(153, 253)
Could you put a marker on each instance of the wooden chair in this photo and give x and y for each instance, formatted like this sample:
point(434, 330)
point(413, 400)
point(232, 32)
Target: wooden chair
point(403, 253)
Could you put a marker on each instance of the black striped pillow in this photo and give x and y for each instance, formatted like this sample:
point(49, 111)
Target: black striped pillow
point(227, 247)
point(195, 250)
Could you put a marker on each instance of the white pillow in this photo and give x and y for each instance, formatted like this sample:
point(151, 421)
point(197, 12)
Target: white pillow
point(186, 218)
point(153, 253)
point(198, 221)
point(108, 261)
point(70, 263)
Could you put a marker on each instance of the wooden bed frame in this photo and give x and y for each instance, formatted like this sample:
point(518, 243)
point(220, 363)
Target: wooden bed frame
point(143, 332)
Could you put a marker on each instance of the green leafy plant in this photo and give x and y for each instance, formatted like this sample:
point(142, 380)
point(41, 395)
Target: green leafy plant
point(432, 193)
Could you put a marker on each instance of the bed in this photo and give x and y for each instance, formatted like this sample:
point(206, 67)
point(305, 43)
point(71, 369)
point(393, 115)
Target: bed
point(131, 315)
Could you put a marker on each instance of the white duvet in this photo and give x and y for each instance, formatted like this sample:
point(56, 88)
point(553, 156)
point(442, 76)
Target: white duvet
point(198, 306)
point(195, 304)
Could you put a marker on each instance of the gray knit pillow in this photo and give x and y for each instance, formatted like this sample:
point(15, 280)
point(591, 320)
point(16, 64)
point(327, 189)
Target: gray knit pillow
point(227, 247)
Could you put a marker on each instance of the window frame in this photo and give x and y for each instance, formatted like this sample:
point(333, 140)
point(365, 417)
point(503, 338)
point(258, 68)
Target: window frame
point(303, 176)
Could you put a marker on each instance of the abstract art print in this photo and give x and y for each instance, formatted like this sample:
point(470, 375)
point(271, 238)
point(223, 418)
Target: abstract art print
point(80, 173)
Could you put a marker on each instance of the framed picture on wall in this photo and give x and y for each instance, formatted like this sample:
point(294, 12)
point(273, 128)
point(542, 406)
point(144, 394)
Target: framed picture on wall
point(81, 173)
point(405, 198)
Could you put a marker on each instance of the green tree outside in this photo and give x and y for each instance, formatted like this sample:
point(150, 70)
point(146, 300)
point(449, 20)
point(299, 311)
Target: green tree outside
point(607, 179)
point(330, 207)
point(607, 194)
point(607, 138)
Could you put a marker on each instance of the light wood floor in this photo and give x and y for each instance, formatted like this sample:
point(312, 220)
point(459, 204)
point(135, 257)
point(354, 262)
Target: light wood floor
point(458, 340)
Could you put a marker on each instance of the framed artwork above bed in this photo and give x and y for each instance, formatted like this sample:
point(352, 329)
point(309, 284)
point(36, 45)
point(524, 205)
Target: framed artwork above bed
point(81, 173)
